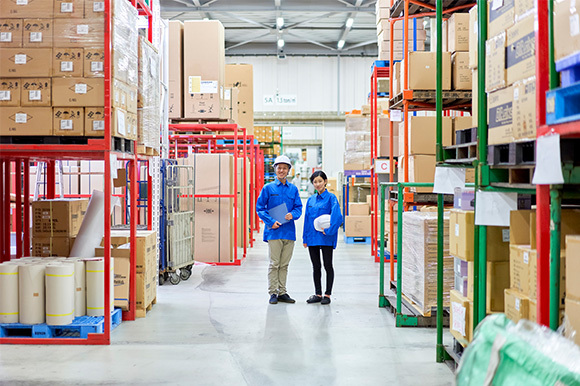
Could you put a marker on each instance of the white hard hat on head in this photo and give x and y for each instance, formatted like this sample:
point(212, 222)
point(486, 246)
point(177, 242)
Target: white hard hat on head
point(282, 159)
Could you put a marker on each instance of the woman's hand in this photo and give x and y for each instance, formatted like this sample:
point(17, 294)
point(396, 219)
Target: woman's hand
point(305, 246)
point(324, 233)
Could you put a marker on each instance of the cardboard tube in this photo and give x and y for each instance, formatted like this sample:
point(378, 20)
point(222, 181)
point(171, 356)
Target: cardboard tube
point(8, 293)
point(80, 288)
point(92, 229)
point(31, 293)
point(95, 276)
point(59, 294)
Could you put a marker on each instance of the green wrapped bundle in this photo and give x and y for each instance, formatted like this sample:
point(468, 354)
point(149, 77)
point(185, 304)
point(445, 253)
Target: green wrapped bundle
point(504, 353)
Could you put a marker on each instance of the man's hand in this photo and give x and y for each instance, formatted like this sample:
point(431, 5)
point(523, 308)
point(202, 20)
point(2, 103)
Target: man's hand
point(288, 216)
point(276, 225)
point(305, 246)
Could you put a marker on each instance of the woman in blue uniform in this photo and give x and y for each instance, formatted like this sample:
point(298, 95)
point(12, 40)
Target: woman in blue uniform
point(325, 204)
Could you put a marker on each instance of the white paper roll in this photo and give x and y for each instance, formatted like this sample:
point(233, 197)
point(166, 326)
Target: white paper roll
point(92, 228)
point(31, 293)
point(8, 293)
point(80, 288)
point(95, 276)
point(59, 294)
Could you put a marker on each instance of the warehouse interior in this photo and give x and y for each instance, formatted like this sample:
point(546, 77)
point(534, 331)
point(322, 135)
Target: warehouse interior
point(287, 191)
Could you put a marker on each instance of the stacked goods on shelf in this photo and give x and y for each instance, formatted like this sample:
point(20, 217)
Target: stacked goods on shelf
point(55, 224)
point(420, 266)
point(148, 98)
point(461, 241)
point(358, 221)
point(271, 137)
point(53, 69)
point(357, 153)
point(231, 100)
point(422, 72)
point(473, 39)
point(457, 43)
point(242, 77)
point(175, 86)
point(383, 34)
point(384, 137)
point(145, 268)
point(572, 288)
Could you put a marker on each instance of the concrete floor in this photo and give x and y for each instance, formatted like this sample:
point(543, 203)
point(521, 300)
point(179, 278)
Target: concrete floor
point(217, 328)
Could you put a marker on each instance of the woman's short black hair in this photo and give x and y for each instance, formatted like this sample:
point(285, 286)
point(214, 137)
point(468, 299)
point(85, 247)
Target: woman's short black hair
point(318, 173)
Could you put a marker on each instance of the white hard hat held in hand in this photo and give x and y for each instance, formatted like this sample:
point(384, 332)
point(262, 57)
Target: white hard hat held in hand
point(282, 159)
point(322, 222)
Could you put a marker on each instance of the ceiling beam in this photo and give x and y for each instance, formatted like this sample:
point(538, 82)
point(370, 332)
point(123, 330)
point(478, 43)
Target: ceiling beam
point(296, 25)
point(183, 5)
point(360, 45)
point(204, 15)
point(249, 21)
point(247, 41)
point(346, 29)
point(312, 41)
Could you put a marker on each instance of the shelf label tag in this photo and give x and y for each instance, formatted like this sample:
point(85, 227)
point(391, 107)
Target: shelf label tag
point(448, 179)
point(458, 312)
point(20, 118)
point(66, 66)
point(396, 115)
point(20, 59)
point(382, 166)
point(493, 208)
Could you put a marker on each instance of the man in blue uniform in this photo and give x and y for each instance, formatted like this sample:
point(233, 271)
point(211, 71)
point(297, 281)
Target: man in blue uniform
point(279, 232)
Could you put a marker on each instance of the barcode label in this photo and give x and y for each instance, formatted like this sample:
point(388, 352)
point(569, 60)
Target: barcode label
point(20, 59)
point(21, 2)
point(5, 95)
point(34, 95)
point(66, 7)
point(96, 66)
point(505, 233)
point(66, 124)
point(456, 229)
point(80, 88)
point(82, 29)
point(99, 6)
point(66, 66)
point(20, 118)
point(526, 257)
point(36, 37)
point(5, 36)
point(98, 125)
point(517, 304)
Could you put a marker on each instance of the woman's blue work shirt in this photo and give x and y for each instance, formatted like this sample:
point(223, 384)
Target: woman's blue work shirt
point(272, 195)
point(317, 205)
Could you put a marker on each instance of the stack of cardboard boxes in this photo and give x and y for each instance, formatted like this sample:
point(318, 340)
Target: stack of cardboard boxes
point(358, 221)
point(55, 224)
point(241, 76)
point(269, 135)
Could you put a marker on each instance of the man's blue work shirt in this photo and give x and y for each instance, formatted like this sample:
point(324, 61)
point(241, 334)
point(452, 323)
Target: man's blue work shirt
point(274, 194)
point(317, 205)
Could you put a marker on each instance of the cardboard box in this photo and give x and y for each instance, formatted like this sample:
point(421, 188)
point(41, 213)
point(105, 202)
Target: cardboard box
point(25, 121)
point(94, 9)
point(36, 92)
point(517, 305)
point(423, 134)
point(520, 268)
point(524, 109)
point(474, 98)
point(461, 123)
point(37, 33)
point(78, 92)
point(473, 37)
point(566, 36)
point(458, 32)
point(498, 280)
point(499, 116)
point(69, 8)
point(68, 121)
point(94, 122)
point(500, 16)
point(422, 71)
point(122, 266)
point(569, 225)
point(51, 246)
point(533, 276)
point(470, 278)
point(203, 69)
point(357, 226)
point(25, 62)
point(522, 8)
point(573, 320)
point(132, 99)
point(79, 33)
point(384, 127)
point(146, 250)
point(421, 169)
point(10, 33)
point(94, 63)
point(67, 62)
point(520, 226)
point(58, 218)
point(459, 323)
point(495, 68)
point(242, 77)
point(461, 232)
point(175, 69)
point(572, 266)
point(358, 209)
point(22, 9)
point(521, 50)
point(384, 146)
point(461, 72)
point(10, 92)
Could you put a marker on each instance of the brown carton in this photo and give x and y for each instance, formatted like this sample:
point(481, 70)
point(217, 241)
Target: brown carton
point(461, 72)
point(36, 92)
point(146, 244)
point(533, 277)
point(58, 218)
point(524, 109)
point(517, 305)
point(25, 62)
point(459, 321)
point(79, 33)
point(573, 320)
point(357, 226)
point(51, 246)
point(94, 63)
point(421, 169)
point(25, 121)
point(569, 225)
point(423, 70)
point(67, 62)
point(68, 121)
point(94, 122)
point(242, 77)
point(10, 33)
point(521, 50)
point(461, 123)
point(499, 116)
point(78, 92)
point(94, 9)
point(458, 32)
point(37, 33)
point(21, 9)
point(69, 8)
point(474, 98)
point(10, 92)
point(358, 209)
point(495, 70)
point(122, 279)
point(572, 267)
point(500, 16)
point(473, 37)
point(520, 226)
point(175, 69)
point(384, 146)
point(520, 268)
point(566, 24)
point(422, 133)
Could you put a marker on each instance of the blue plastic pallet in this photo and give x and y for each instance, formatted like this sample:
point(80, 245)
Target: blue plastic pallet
point(358, 240)
point(569, 69)
point(81, 327)
point(231, 141)
point(563, 104)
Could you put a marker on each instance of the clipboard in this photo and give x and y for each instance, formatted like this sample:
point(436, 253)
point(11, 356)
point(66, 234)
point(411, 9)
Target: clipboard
point(279, 212)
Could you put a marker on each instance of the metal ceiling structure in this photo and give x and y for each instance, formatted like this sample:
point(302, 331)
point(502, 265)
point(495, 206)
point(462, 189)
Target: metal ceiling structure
point(286, 27)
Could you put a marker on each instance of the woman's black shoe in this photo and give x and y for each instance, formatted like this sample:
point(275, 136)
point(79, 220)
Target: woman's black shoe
point(314, 299)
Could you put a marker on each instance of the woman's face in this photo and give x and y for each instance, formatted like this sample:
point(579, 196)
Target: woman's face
point(319, 184)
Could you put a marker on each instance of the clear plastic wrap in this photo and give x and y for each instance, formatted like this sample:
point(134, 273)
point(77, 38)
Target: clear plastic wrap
point(504, 353)
point(357, 124)
point(125, 42)
point(148, 95)
point(357, 141)
point(420, 260)
point(357, 157)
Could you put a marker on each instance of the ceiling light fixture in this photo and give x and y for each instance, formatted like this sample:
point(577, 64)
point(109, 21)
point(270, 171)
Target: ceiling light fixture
point(340, 44)
point(349, 22)
point(280, 22)
point(280, 43)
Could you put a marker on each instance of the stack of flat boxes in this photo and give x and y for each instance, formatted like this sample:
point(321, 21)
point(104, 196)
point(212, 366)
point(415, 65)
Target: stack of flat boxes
point(510, 71)
point(52, 62)
point(461, 244)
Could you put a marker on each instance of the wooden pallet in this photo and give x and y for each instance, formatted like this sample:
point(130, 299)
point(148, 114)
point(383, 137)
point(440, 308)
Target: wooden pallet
point(426, 99)
point(142, 312)
point(122, 145)
point(461, 154)
point(512, 154)
point(146, 150)
point(398, 7)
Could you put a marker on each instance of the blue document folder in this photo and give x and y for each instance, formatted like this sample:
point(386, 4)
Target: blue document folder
point(279, 212)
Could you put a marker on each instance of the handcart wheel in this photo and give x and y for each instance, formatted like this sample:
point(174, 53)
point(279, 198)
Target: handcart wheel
point(161, 279)
point(174, 278)
point(184, 273)
point(190, 267)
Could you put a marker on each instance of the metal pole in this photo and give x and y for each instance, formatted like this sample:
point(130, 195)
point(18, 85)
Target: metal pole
point(555, 225)
point(382, 300)
point(399, 252)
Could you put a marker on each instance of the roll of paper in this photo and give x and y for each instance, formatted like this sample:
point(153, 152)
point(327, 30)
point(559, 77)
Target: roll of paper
point(59, 294)
point(31, 293)
point(95, 276)
point(80, 288)
point(8, 293)
point(92, 228)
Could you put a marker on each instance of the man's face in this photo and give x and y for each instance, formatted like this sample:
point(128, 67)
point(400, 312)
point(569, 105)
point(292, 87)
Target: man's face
point(282, 171)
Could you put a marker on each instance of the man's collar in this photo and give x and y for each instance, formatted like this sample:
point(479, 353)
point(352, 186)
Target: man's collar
point(278, 182)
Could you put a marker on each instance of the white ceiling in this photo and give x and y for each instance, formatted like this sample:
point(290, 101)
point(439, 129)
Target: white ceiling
point(311, 27)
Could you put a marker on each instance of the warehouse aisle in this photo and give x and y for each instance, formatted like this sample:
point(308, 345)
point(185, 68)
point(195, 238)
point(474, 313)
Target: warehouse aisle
point(217, 328)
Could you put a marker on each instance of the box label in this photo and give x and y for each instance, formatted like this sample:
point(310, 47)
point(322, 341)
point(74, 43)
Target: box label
point(574, 25)
point(194, 84)
point(66, 66)
point(21, 2)
point(498, 8)
point(209, 87)
point(228, 94)
point(66, 7)
point(98, 125)
point(456, 229)
point(20, 118)
point(505, 235)
point(517, 304)
point(526, 257)
point(120, 125)
point(80, 88)
point(36, 37)
point(5, 36)
point(99, 6)
point(66, 124)
point(500, 115)
point(20, 59)
point(34, 95)
point(5, 95)
point(521, 50)
point(83, 29)
point(458, 317)
point(96, 66)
